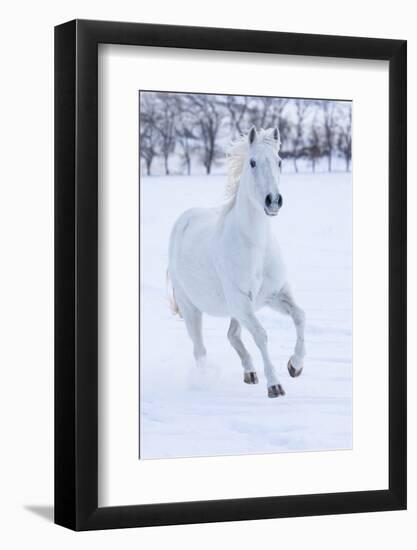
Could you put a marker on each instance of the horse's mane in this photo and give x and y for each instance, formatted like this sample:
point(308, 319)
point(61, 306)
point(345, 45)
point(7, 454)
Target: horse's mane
point(236, 156)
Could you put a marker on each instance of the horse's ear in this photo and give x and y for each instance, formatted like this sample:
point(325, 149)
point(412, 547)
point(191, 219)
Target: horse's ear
point(277, 138)
point(276, 134)
point(252, 135)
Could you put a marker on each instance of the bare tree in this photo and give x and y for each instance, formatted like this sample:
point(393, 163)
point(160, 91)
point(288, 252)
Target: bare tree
point(185, 136)
point(299, 148)
point(209, 120)
point(314, 147)
point(237, 107)
point(165, 125)
point(148, 133)
point(344, 138)
point(259, 111)
point(277, 118)
point(191, 125)
point(329, 130)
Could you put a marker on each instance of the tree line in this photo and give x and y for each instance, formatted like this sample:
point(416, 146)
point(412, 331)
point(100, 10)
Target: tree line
point(196, 128)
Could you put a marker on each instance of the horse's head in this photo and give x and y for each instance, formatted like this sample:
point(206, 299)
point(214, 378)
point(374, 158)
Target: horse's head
point(263, 170)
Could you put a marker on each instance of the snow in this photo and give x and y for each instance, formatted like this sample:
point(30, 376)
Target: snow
point(188, 413)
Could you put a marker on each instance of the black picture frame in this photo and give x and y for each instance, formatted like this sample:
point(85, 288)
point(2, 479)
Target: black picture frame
point(76, 273)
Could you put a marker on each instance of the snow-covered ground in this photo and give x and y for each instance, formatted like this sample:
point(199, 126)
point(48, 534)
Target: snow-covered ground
point(184, 416)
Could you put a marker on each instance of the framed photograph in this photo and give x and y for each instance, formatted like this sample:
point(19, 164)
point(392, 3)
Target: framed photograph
point(230, 255)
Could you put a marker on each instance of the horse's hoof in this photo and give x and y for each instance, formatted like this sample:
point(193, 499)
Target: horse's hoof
point(276, 391)
point(293, 371)
point(250, 378)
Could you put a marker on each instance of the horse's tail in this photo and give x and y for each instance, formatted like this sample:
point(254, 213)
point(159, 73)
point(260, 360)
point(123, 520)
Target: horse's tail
point(173, 306)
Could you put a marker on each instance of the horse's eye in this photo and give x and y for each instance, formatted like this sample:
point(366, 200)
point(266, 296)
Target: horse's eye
point(279, 163)
point(252, 163)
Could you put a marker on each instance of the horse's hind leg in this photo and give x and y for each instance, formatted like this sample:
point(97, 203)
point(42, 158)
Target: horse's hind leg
point(193, 322)
point(234, 336)
point(283, 302)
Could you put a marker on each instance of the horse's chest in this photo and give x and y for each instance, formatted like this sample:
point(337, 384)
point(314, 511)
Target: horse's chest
point(251, 278)
point(244, 266)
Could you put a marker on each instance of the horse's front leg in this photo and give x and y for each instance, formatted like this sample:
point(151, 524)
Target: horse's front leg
point(283, 302)
point(243, 312)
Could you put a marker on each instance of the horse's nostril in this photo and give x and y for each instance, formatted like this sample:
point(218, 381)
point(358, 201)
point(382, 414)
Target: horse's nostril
point(273, 199)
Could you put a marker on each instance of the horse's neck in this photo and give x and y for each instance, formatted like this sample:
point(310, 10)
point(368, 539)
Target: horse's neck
point(251, 223)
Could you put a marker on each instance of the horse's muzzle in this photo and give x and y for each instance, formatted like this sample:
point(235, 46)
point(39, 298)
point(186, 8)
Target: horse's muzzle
point(273, 203)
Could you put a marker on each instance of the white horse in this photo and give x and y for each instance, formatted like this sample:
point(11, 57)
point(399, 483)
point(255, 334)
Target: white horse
point(225, 262)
